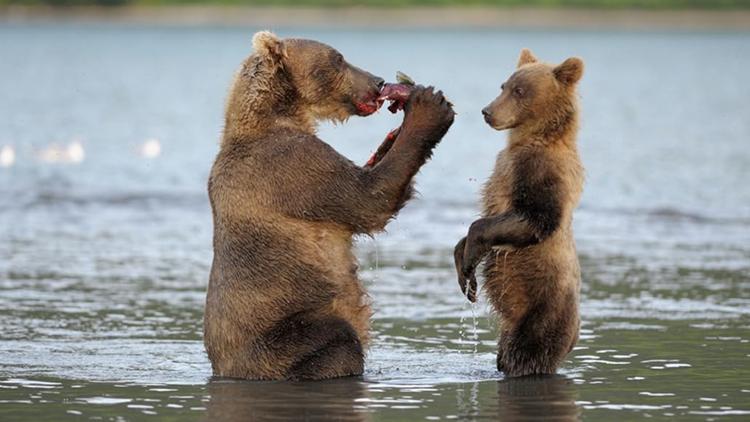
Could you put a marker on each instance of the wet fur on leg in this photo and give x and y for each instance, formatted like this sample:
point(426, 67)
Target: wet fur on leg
point(540, 342)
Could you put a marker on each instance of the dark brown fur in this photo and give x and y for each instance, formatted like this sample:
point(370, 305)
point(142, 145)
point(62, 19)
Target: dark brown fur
point(284, 301)
point(531, 268)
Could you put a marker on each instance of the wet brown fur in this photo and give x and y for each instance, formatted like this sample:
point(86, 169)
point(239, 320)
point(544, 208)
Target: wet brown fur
point(284, 300)
point(533, 279)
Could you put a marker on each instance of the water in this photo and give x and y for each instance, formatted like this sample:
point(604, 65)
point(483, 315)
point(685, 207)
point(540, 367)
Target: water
point(104, 263)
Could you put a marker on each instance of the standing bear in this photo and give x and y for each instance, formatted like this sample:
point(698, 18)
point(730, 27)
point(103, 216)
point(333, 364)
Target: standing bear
point(283, 300)
point(532, 275)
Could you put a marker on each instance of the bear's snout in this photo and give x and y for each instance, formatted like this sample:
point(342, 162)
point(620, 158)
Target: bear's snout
point(487, 115)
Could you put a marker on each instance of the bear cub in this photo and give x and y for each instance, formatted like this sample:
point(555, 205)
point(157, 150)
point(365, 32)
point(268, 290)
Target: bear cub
point(525, 238)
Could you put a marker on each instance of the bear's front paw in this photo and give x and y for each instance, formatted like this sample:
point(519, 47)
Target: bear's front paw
point(428, 111)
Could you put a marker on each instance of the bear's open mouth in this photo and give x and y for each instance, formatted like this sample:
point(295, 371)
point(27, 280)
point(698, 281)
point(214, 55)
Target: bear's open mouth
point(367, 107)
point(397, 94)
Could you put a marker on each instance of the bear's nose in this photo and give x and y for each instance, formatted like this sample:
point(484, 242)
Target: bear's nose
point(487, 115)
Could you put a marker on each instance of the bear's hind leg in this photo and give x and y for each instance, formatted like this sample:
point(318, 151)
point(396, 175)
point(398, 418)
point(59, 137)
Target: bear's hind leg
point(321, 347)
point(529, 352)
point(341, 358)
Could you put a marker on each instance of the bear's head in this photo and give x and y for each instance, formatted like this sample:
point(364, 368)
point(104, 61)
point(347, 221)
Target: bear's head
point(298, 82)
point(537, 95)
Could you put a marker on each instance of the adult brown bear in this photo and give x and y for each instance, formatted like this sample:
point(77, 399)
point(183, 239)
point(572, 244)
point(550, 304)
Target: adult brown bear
point(284, 301)
point(532, 276)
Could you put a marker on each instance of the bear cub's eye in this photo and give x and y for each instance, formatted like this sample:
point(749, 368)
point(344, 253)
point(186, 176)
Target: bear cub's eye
point(502, 87)
point(339, 60)
point(518, 92)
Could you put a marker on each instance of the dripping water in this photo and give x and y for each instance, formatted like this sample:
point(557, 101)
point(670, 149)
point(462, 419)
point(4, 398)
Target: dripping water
point(474, 332)
point(377, 259)
point(461, 333)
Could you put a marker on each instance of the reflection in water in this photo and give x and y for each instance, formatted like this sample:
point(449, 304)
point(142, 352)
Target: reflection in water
point(467, 401)
point(549, 398)
point(233, 400)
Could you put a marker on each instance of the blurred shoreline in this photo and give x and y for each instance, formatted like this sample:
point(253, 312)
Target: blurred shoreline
point(403, 18)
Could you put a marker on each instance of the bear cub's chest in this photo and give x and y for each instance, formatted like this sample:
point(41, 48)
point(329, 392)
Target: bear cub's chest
point(498, 190)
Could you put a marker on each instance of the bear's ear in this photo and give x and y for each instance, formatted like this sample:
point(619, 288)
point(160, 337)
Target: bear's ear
point(526, 57)
point(267, 43)
point(570, 71)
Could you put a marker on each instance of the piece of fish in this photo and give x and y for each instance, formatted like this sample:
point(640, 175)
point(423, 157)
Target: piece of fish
point(403, 78)
point(397, 93)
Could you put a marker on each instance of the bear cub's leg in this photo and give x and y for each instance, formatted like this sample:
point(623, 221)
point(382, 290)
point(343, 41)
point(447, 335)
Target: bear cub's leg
point(500, 366)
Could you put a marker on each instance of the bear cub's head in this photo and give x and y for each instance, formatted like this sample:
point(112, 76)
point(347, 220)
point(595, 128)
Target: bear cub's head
point(536, 94)
point(303, 80)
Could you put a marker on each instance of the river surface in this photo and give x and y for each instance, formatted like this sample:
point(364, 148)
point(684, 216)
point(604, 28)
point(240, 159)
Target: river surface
point(105, 252)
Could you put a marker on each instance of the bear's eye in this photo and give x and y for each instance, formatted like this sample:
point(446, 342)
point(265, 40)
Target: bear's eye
point(502, 87)
point(518, 92)
point(339, 60)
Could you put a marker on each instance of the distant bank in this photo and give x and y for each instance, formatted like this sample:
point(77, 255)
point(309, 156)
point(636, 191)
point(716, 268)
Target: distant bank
point(402, 17)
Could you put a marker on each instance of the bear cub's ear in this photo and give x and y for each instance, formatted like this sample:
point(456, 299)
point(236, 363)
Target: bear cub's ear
point(570, 71)
point(526, 57)
point(267, 43)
